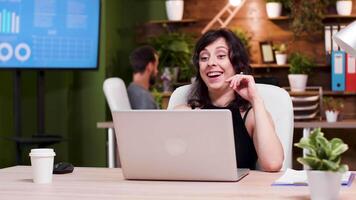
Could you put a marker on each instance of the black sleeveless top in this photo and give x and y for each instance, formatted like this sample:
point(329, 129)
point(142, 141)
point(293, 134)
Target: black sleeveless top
point(246, 156)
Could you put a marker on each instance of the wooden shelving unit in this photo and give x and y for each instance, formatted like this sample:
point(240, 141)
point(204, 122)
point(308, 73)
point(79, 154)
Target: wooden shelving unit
point(169, 22)
point(325, 93)
point(281, 18)
point(273, 65)
point(331, 17)
point(333, 93)
point(335, 16)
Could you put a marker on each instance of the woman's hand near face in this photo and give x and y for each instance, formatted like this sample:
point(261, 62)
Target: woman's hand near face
point(245, 86)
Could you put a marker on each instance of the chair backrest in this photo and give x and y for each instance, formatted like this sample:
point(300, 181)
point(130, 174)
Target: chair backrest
point(116, 94)
point(277, 102)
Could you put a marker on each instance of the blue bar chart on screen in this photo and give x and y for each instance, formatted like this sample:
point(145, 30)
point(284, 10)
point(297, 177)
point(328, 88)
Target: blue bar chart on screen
point(49, 34)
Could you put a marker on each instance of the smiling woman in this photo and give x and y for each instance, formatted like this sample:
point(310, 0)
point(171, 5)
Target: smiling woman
point(223, 81)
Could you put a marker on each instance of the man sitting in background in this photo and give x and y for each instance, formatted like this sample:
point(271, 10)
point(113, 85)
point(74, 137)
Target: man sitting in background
point(144, 62)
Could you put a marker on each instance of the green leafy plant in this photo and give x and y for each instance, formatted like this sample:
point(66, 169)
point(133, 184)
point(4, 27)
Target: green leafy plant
point(322, 154)
point(244, 37)
point(332, 104)
point(175, 50)
point(307, 15)
point(300, 64)
point(280, 48)
point(158, 97)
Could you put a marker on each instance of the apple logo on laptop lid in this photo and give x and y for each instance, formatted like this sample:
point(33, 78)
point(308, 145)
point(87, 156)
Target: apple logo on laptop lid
point(175, 146)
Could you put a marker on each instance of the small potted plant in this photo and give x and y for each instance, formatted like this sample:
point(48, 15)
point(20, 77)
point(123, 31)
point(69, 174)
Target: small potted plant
point(332, 108)
point(175, 9)
point(300, 67)
point(280, 50)
point(274, 8)
point(344, 7)
point(324, 160)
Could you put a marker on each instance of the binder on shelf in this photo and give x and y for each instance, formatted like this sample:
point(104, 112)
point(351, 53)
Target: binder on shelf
point(338, 71)
point(327, 35)
point(350, 73)
point(334, 30)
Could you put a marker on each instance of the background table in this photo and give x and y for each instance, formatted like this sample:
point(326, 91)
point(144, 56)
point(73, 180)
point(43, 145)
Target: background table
point(105, 183)
point(111, 150)
point(323, 124)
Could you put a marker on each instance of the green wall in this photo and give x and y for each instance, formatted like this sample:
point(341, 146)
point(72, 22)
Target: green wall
point(74, 99)
point(123, 18)
point(7, 148)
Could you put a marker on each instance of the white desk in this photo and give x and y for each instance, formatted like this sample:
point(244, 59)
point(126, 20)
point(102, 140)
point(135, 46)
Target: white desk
point(104, 183)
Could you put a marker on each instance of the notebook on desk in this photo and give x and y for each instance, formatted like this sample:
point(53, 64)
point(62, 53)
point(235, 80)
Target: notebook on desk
point(195, 145)
point(299, 178)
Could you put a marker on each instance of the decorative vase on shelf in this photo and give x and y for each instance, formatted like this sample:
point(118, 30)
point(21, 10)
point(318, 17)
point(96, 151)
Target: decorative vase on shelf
point(300, 67)
point(281, 58)
point(280, 51)
point(298, 82)
point(274, 9)
point(333, 107)
point(175, 9)
point(331, 116)
point(344, 7)
point(166, 80)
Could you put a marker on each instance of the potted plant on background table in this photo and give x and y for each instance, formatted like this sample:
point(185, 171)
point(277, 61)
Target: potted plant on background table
point(324, 160)
point(280, 51)
point(344, 7)
point(300, 67)
point(332, 108)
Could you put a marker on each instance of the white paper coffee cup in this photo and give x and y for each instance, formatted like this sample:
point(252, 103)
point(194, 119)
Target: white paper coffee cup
point(42, 165)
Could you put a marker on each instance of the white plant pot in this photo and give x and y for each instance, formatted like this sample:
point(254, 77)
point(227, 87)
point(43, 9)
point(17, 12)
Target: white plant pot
point(274, 9)
point(297, 82)
point(344, 7)
point(324, 185)
point(331, 116)
point(281, 59)
point(175, 9)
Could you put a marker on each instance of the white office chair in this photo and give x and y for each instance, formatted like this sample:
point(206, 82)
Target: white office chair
point(117, 98)
point(116, 94)
point(277, 102)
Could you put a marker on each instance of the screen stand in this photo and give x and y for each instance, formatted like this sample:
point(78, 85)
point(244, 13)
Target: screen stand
point(40, 139)
point(17, 112)
point(40, 102)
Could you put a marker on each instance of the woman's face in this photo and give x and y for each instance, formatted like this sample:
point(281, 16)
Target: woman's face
point(215, 66)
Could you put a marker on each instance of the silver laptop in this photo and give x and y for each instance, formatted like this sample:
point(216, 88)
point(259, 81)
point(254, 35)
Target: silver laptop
point(177, 145)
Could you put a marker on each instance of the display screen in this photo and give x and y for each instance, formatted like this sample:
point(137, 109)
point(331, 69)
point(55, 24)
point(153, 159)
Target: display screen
point(49, 34)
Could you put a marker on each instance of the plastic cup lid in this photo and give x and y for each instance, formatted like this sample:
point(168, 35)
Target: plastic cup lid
point(42, 152)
